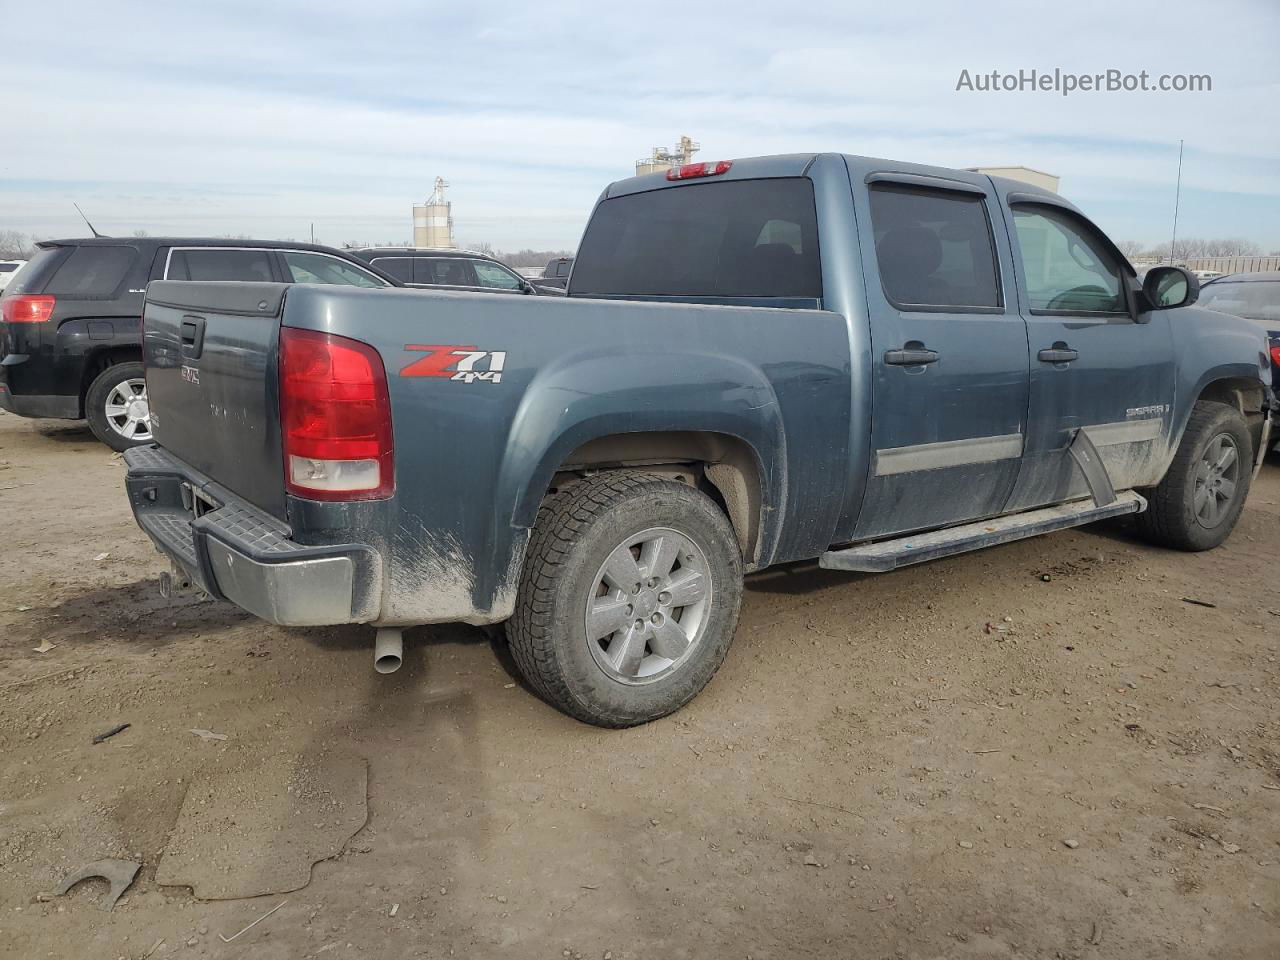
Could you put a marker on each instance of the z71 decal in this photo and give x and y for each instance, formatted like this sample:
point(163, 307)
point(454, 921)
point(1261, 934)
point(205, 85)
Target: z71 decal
point(456, 363)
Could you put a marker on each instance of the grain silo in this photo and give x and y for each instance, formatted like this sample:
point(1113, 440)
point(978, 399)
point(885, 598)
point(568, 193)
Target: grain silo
point(433, 220)
point(662, 159)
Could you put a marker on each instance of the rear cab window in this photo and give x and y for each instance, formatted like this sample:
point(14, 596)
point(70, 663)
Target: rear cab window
point(726, 241)
point(935, 249)
point(219, 263)
point(91, 273)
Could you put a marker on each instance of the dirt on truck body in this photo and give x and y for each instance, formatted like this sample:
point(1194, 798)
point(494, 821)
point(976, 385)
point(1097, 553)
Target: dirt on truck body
point(1043, 750)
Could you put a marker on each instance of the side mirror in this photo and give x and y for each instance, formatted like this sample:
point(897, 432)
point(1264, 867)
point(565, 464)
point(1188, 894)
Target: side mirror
point(1168, 287)
point(530, 289)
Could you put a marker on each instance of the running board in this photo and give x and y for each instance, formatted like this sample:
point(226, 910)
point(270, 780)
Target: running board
point(886, 555)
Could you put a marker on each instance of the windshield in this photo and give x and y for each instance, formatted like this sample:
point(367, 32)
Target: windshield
point(1255, 299)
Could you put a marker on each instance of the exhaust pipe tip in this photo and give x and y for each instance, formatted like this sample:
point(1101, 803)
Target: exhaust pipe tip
point(388, 650)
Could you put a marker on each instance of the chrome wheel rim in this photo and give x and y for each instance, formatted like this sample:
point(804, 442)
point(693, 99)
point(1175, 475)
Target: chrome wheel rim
point(648, 608)
point(1217, 478)
point(127, 410)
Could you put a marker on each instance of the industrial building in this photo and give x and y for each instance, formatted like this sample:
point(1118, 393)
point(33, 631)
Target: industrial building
point(663, 159)
point(433, 220)
point(1037, 178)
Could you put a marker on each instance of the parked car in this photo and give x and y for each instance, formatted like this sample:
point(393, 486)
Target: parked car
point(556, 273)
point(71, 330)
point(457, 269)
point(7, 270)
point(599, 471)
point(1252, 295)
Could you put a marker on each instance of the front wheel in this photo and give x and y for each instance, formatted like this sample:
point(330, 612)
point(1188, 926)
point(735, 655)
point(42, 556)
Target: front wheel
point(116, 406)
point(1198, 502)
point(628, 599)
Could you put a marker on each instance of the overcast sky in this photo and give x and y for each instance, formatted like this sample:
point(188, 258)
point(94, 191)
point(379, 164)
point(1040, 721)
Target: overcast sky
point(262, 117)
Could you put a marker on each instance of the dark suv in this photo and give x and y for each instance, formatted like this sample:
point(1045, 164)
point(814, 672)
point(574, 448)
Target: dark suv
point(431, 267)
point(71, 330)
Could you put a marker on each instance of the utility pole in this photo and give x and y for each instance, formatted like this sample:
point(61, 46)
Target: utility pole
point(1177, 195)
point(313, 230)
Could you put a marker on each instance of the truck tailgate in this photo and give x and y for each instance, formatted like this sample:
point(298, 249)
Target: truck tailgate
point(210, 351)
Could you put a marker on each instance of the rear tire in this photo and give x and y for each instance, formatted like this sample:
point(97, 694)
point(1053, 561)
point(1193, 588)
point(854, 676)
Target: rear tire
point(628, 599)
point(116, 406)
point(1198, 502)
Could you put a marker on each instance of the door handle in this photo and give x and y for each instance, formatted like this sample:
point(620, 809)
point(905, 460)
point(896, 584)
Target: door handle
point(912, 355)
point(1058, 353)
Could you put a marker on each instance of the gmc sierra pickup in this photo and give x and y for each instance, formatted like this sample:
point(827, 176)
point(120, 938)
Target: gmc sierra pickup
point(759, 361)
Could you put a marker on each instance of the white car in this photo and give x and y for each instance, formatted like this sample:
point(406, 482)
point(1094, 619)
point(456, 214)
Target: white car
point(7, 269)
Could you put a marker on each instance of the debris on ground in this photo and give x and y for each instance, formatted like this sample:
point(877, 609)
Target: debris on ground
point(118, 873)
point(254, 924)
point(209, 735)
point(45, 646)
point(1200, 603)
point(1071, 844)
point(118, 728)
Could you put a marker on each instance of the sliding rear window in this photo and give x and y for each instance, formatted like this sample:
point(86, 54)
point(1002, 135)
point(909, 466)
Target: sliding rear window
point(737, 239)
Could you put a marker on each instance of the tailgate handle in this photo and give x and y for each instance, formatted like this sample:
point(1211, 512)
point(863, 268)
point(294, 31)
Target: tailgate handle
point(192, 333)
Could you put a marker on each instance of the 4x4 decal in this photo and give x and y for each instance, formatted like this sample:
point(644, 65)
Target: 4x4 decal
point(455, 363)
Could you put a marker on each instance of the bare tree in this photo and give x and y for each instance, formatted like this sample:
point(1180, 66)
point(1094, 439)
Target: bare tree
point(1131, 248)
point(1231, 247)
point(16, 246)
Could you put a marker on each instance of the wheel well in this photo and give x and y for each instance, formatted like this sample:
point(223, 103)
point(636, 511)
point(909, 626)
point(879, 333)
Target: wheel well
point(103, 359)
point(724, 467)
point(1245, 395)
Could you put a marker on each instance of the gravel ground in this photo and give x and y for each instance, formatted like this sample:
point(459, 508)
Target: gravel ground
point(1041, 750)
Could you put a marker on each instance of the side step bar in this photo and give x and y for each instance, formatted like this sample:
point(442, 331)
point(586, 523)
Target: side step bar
point(886, 555)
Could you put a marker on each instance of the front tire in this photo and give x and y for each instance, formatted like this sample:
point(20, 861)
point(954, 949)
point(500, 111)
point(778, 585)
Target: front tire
point(628, 600)
point(116, 406)
point(1198, 502)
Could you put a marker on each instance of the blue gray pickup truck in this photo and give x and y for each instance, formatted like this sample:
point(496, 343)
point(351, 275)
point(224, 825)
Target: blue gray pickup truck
point(759, 361)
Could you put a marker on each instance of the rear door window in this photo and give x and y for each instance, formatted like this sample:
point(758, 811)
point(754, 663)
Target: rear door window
point(31, 275)
point(738, 239)
point(306, 267)
point(934, 248)
point(217, 263)
point(92, 273)
point(445, 271)
point(399, 267)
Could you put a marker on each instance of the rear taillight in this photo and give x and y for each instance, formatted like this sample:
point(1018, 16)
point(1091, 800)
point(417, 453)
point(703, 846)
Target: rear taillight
point(26, 308)
point(691, 170)
point(1275, 354)
point(335, 418)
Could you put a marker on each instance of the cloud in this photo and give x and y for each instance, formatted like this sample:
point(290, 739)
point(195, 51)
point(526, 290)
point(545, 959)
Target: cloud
point(263, 118)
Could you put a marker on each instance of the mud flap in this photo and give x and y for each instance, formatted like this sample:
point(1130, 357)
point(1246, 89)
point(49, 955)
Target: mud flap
point(1091, 466)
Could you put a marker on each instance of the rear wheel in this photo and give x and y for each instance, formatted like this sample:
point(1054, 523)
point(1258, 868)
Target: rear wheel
point(1198, 502)
point(116, 406)
point(628, 599)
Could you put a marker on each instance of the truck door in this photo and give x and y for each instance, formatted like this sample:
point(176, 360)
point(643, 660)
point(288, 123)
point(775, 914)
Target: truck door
point(949, 350)
point(1096, 362)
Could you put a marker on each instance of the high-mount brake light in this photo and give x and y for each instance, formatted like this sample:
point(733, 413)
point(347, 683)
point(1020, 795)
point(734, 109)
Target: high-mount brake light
point(335, 418)
point(691, 171)
point(27, 308)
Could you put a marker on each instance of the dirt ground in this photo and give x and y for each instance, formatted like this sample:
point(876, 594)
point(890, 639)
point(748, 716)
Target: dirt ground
point(1041, 750)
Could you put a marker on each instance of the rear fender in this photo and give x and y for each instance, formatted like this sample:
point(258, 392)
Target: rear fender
point(597, 394)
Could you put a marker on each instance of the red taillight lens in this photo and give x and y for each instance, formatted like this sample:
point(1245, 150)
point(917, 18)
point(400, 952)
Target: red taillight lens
point(335, 417)
point(691, 170)
point(26, 308)
point(1275, 354)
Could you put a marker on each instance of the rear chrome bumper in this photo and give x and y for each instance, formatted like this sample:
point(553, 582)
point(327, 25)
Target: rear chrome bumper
point(234, 551)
